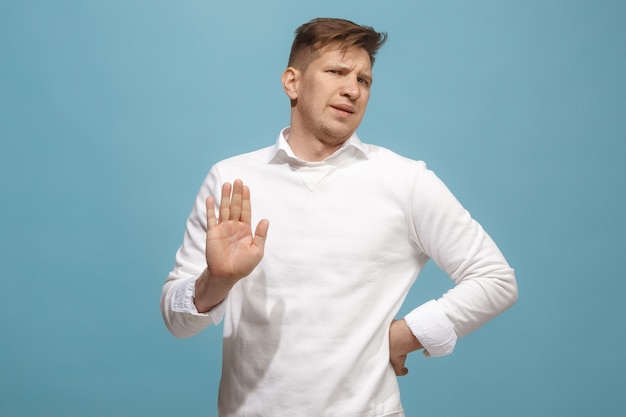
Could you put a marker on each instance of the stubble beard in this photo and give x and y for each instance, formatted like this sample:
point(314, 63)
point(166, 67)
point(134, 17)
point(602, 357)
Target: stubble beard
point(334, 136)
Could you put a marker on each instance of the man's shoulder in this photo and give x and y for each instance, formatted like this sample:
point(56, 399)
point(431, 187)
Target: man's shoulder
point(380, 154)
point(259, 155)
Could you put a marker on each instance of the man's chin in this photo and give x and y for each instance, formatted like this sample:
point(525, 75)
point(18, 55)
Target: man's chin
point(338, 136)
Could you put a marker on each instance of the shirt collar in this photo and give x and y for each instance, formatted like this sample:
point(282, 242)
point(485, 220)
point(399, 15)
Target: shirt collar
point(282, 152)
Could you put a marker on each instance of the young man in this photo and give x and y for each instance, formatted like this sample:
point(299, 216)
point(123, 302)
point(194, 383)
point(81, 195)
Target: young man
point(309, 304)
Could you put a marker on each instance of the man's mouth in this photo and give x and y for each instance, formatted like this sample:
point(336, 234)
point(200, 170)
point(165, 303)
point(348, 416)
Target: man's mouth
point(344, 108)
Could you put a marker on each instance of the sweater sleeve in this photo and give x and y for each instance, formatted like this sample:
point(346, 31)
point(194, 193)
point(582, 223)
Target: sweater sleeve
point(485, 284)
point(177, 306)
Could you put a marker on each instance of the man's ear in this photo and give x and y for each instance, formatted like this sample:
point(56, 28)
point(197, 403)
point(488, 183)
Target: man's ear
point(290, 82)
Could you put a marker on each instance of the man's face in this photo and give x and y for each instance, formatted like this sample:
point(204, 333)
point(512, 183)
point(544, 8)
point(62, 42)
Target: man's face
point(331, 94)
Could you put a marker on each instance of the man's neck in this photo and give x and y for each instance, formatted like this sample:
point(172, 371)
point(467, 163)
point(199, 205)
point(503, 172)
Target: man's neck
point(310, 148)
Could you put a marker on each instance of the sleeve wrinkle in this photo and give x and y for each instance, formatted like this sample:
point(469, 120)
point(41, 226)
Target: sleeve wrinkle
point(177, 307)
point(484, 282)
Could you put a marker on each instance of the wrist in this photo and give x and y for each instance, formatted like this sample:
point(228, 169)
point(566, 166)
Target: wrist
point(209, 292)
point(402, 338)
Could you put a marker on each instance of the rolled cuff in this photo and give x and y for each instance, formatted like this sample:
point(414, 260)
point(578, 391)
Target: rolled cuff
point(182, 302)
point(431, 327)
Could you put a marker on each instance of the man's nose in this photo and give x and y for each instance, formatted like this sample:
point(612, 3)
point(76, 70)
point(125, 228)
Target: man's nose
point(350, 88)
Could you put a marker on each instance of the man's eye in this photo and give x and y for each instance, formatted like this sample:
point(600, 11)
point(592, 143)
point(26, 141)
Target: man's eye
point(364, 81)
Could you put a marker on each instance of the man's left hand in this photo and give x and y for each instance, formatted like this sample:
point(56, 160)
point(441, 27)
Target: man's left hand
point(401, 342)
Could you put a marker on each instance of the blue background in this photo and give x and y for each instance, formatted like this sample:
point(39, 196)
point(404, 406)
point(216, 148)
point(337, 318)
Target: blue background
point(111, 113)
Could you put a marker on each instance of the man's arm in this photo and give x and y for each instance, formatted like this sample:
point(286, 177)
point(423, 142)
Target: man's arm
point(485, 284)
point(193, 288)
point(232, 252)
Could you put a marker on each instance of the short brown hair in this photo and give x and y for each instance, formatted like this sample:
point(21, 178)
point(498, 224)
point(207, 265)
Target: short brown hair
point(321, 32)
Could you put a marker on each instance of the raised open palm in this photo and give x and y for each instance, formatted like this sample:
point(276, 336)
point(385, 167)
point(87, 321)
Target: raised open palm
point(232, 251)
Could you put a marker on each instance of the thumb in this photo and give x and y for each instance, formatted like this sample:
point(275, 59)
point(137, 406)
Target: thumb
point(260, 234)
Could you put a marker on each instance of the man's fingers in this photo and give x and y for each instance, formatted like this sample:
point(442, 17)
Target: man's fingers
point(402, 371)
point(236, 200)
point(260, 234)
point(246, 207)
point(235, 205)
point(210, 213)
point(398, 365)
point(225, 203)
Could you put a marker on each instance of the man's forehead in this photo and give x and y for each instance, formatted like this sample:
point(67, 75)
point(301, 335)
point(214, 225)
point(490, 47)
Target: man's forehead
point(349, 56)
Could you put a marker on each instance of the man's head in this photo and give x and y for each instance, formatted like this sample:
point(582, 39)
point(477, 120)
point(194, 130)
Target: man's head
point(328, 81)
point(313, 36)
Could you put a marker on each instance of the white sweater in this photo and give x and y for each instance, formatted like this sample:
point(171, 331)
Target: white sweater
point(306, 334)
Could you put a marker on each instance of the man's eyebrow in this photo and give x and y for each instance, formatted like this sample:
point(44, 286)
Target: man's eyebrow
point(340, 65)
point(343, 66)
point(367, 75)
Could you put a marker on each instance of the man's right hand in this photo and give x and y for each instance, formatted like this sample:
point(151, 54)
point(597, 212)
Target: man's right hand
point(232, 252)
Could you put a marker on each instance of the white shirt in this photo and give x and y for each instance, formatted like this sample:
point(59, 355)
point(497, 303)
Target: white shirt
point(306, 333)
